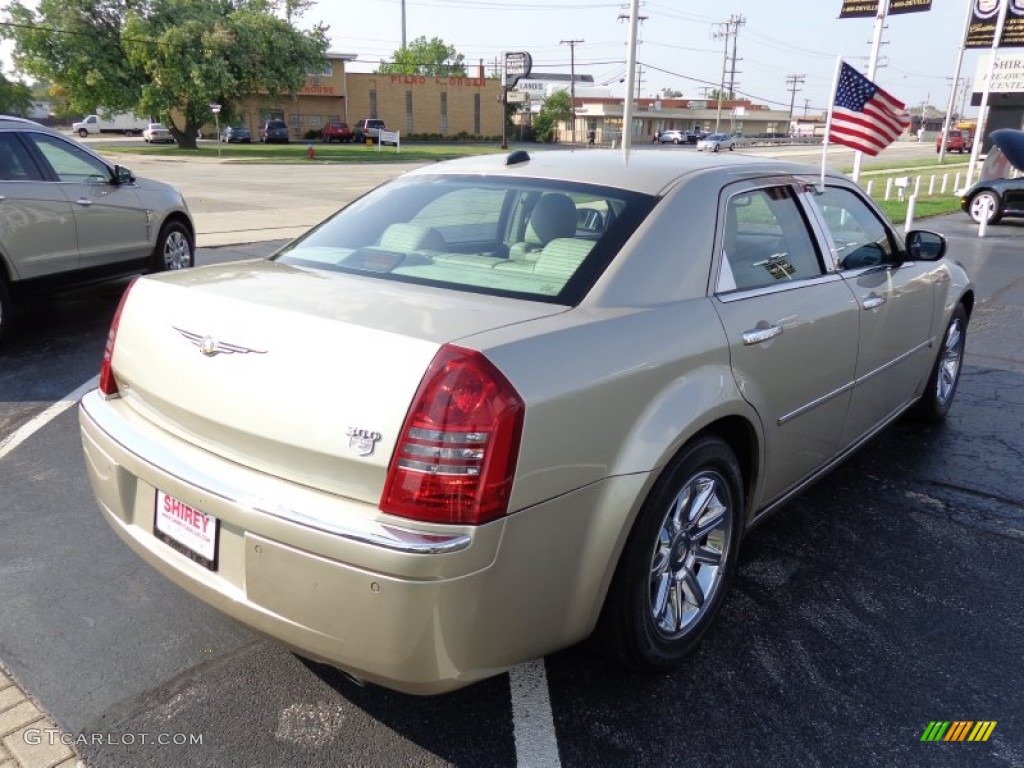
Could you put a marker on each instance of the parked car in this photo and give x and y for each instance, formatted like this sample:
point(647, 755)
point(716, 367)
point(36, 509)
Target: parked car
point(715, 142)
point(504, 402)
point(672, 137)
point(235, 134)
point(368, 128)
point(70, 217)
point(1000, 190)
point(274, 131)
point(336, 131)
point(157, 133)
point(958, 141)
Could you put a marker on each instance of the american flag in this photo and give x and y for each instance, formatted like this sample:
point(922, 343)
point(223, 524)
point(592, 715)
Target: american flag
point(864, 116)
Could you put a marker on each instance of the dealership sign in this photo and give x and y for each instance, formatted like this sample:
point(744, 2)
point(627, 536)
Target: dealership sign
point(1007, 76)
point(853, 9)
point(985, 17)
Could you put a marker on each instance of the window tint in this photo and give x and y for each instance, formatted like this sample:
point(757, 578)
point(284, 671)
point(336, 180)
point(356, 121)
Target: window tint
point(766, 241)
point(860, 238)
point(533, 239)
point(15, 163)
point(70, 162)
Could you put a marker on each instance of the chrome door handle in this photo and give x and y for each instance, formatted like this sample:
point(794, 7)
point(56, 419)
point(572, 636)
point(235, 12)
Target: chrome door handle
point(758, 335)
point(873, 301)
point(84, 201)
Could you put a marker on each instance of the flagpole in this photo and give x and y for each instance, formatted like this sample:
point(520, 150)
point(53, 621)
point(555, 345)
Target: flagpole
point(627, 107)
point(956, 84)
point(876, 44)
point(983, 110)
point(828, 119)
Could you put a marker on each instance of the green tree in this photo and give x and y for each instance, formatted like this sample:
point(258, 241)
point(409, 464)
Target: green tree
point(167, 58)
point(432, 58)
point(671, 93)
point(15, 97)
point(557, 108)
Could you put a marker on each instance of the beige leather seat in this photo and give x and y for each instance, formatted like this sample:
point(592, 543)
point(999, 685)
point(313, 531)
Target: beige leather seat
point(553, 216)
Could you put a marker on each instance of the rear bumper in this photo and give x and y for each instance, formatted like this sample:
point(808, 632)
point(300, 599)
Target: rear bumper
point(421, 609)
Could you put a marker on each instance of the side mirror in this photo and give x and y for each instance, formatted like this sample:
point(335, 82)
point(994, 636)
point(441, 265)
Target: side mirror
point(923, 245)
point(123, 175)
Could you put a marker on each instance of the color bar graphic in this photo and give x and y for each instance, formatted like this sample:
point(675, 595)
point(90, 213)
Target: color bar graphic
point(959, 730)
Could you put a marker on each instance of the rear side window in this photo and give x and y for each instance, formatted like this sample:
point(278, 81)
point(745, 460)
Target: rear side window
point(15, 163)
point(541, 240)
point(766, 241)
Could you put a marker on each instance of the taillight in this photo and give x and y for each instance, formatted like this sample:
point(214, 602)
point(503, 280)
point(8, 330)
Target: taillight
point(108, 386)
point(456, 456)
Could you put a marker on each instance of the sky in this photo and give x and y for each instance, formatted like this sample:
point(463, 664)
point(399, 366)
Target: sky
point(779, 38)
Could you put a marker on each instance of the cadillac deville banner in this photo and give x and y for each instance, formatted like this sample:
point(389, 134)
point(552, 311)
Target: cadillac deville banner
point(853, 9)
point(984, 17)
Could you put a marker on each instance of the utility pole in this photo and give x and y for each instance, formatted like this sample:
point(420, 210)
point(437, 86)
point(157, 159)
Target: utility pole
point(572, 80)
point(792, 81)
point(735, 22)
point(722, 32)
point(639, 70)
point(403, 24)
point(807, 106)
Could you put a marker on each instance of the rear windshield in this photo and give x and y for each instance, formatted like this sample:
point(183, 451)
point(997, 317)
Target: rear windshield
point(536, 239)
point(276, 124)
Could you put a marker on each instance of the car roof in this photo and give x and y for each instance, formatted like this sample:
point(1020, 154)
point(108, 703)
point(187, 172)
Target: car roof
point(11, 122)
point(647, 171)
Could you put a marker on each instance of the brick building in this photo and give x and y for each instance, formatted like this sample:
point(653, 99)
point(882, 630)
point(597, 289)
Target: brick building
point(410, 104)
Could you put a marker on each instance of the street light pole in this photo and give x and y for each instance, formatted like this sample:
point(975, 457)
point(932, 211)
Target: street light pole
point(572, 80)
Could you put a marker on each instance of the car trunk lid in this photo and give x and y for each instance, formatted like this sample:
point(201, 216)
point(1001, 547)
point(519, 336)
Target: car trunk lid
point(302, 374)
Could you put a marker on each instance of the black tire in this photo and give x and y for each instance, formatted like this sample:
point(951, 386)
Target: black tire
point(5, 309)
point(82, 133)
point(673, 568)
point(174, 248)
point(945, 376)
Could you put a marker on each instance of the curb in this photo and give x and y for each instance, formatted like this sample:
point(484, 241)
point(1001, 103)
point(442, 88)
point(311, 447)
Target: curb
point(28, 737)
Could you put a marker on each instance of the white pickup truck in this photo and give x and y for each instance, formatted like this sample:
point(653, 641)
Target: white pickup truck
point(118, 122)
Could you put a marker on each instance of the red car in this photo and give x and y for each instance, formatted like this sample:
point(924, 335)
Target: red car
point(336, 131)
point(958, 141)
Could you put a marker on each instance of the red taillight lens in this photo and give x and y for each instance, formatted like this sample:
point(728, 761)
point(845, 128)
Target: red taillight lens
point(456, 456)
point(108, 386)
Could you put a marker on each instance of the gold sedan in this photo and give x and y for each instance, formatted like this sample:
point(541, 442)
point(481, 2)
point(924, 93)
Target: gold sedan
point(501, 404)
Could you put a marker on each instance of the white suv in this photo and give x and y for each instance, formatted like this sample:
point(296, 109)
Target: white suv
point(70, 217)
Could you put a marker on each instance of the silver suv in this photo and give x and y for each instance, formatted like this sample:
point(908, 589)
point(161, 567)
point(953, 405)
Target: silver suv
point(67, 217)
point(368, 128)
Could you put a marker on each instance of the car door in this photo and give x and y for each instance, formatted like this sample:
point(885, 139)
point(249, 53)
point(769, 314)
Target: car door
point(112, 224)
point(895, 300)
point(792, 327)
point(37, 226)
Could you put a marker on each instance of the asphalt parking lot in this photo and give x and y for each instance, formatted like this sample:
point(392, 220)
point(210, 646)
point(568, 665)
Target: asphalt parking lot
point(884, 598)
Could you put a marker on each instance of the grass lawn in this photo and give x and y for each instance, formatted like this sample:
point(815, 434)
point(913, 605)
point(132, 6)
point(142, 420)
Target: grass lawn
point(925, 207)
point(296, 152)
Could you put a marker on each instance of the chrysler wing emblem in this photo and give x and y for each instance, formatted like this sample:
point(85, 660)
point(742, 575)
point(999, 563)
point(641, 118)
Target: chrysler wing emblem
point(210, 346)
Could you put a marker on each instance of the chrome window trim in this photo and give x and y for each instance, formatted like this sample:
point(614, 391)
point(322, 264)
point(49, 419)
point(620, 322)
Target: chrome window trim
point(737, 295)
point(390, 537)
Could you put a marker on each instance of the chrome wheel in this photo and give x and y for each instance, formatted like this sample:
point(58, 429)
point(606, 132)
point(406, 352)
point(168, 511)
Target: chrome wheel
point(950, 360)
point(984, 205)
point(690, 554)
point(177, 253)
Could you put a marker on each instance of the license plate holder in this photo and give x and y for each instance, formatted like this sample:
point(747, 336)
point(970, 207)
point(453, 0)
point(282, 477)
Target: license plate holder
point(189, 531)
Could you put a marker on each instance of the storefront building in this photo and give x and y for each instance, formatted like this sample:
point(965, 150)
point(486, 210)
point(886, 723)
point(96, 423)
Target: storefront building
point(410, 104)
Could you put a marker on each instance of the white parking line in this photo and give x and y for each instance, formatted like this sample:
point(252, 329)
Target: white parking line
point(532, 723)
point(26, 430)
